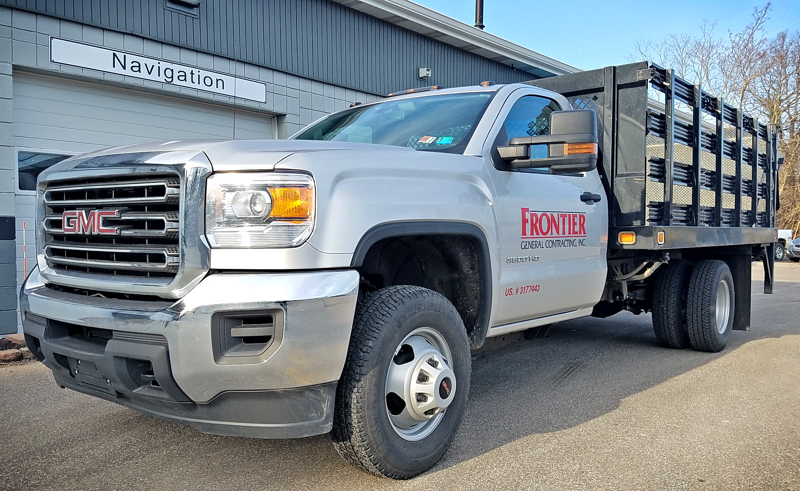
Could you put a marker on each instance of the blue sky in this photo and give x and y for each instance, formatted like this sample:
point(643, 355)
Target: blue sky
point(593, 34)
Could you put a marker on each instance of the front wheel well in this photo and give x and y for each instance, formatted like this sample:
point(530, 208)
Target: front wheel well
point(454, 265)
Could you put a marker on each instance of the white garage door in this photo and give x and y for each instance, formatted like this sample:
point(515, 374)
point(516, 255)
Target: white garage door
point(55, 117)
point(78, 117)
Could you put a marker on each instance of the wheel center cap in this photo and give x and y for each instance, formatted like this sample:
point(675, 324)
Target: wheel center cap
point(431, 387)
point(445, 388)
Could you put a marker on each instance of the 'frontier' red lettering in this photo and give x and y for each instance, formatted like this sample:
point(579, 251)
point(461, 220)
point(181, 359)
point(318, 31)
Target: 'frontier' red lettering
point(539, 224)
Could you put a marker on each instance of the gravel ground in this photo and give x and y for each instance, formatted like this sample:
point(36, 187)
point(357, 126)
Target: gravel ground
point(595, 405)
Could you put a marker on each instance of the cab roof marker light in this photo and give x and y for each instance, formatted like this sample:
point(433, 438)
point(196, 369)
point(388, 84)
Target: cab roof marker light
point(487, 83)
point(419, 89)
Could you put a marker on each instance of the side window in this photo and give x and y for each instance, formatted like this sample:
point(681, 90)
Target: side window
point(530, 116)
point(31, 164)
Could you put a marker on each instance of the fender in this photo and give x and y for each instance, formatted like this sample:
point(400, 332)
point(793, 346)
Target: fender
point(399, 229)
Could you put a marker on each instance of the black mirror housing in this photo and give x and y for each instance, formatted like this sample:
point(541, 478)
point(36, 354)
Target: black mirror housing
point(580, 124)
point(572, 144)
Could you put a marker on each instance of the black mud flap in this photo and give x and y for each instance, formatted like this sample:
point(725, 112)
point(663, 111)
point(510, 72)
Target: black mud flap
point(769, 268)
point(741, 269)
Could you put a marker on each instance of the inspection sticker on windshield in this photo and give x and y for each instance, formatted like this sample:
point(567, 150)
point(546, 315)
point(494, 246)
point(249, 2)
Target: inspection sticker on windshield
point(444, 140)
point(427, 139)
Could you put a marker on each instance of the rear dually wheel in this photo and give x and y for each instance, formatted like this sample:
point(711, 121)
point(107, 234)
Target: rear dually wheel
point(710, 306)
point(669, 304)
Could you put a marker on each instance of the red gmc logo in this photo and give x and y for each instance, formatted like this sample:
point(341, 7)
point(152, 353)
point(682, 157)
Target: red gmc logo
point(88, 222)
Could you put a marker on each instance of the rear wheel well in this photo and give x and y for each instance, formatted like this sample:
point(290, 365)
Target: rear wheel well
point(450, 264)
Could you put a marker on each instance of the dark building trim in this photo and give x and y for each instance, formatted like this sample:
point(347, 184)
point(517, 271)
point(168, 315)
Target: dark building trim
point(8, 230)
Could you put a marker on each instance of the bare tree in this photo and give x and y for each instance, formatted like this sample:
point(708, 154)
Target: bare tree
point(755, 72)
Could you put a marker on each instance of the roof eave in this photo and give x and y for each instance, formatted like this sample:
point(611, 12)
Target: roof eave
point(435, 25)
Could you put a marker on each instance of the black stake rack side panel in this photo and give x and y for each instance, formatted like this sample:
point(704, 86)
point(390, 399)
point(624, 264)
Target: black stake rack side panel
point(721, 204)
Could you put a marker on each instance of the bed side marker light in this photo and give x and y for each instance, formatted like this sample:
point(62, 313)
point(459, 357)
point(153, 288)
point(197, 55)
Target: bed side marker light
point(626, 238)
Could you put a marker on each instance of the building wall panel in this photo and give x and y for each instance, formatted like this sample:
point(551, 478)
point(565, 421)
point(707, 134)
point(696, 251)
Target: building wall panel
point(316, 39)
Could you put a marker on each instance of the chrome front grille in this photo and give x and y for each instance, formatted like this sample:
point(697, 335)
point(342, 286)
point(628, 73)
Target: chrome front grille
point(136, 235)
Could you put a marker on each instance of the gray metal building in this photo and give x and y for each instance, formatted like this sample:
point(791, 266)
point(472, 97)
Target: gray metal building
point(81, 75)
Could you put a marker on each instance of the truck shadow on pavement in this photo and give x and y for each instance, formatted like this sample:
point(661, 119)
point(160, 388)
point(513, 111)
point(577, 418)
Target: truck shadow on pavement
point(583, 370)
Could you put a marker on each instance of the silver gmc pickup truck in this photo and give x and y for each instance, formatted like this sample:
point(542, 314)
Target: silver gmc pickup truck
point(338, 281)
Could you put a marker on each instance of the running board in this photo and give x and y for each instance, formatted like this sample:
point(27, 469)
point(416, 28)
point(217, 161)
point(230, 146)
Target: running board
point(541, 321)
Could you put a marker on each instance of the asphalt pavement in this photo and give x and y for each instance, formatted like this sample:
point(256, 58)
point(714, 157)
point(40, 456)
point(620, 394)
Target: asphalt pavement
point(597, 404)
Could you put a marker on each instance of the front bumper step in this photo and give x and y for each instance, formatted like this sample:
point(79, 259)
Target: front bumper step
point(196, 361)
point(132, 369)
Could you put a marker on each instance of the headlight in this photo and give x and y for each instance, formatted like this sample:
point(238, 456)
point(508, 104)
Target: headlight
point(249, 210)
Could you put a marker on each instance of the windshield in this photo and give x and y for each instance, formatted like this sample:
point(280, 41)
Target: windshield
point(436, 123)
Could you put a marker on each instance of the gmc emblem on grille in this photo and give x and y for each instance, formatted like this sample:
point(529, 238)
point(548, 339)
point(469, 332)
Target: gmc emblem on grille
point(88, 222)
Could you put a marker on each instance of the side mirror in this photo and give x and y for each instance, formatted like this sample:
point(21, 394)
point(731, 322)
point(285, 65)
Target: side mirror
point(571, 145)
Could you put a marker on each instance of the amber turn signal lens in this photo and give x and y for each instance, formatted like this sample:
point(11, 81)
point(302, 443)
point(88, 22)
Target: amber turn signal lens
point(580, 148)
point(626, 238)
point(292, 203)
point(661, 238)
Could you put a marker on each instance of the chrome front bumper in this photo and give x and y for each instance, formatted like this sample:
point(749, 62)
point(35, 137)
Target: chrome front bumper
point(175, 359)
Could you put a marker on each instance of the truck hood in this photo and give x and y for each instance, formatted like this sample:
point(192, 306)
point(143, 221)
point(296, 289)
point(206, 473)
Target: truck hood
point(225, 155)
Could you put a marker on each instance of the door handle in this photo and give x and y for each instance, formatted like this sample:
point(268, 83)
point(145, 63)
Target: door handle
point(591, 198)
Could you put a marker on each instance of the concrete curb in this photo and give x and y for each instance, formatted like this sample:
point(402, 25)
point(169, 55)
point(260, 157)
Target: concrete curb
point(13, 350)
point(12, 341)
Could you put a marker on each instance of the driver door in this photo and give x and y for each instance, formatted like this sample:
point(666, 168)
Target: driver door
point(552, 244)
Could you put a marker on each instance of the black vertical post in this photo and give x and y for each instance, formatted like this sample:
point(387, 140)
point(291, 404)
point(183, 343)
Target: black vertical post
point(754, 160)
point(697, 134)
point(669, 159)
point(738, 160)
point(609, 149)
point(768, 174)
point(720, 155)
point(773, 138)
point(479, 14)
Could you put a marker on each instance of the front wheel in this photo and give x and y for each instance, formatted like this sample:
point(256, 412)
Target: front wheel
point(780, 251)
point(405, 383)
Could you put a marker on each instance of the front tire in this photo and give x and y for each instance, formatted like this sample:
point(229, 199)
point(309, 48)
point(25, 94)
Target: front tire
point(405, 383)
point(710, 306)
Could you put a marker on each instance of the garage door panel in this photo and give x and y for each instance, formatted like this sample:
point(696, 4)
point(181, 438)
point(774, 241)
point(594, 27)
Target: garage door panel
point(71, 114)
point(49, 137)
point(92, 116)
point(144, 128)
point(94, 95)
point(58, 146)
point(243, 124)
point(38, 110)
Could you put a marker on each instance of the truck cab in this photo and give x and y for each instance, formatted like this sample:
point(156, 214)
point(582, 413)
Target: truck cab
point(545, 234)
